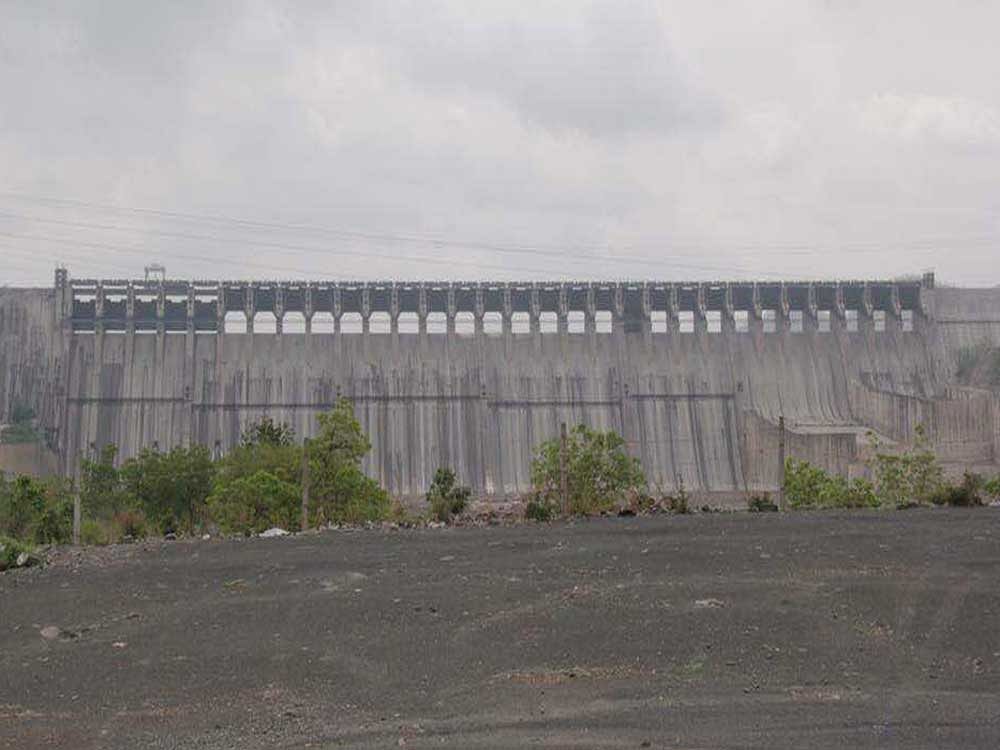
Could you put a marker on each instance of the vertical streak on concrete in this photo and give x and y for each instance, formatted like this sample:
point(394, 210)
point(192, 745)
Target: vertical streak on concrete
point(65, 318)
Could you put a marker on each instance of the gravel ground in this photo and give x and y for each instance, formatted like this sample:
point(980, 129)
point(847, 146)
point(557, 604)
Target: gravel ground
point(819, 630)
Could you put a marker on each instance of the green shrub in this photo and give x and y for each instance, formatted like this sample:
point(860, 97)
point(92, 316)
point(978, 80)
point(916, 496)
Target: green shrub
point(10, 548)
point(599, 472)
point(966, 494)
point(266, 431)
point(538, 510)
point(282, 461)
point(54, 524)
point(339, 490)
point(445, 497)
point(400, 514)
point(678, 501)
point(21, 502)
point(761, 504)
point(127, 525)
point(256, 503)
point(992, 487)
point(101, 491)
point(907, 477)
point(170, 488)
point(35, 509)
point(95, 533)
point(807, 486)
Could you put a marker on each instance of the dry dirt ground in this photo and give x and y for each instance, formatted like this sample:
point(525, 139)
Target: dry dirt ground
point(818, 630)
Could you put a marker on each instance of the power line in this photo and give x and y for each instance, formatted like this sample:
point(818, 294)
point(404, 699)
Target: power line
point(559, 251)
point(665, 263)
point(310, 249)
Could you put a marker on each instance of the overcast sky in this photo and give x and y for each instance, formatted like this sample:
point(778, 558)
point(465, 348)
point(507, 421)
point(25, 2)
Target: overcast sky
point(499, 140)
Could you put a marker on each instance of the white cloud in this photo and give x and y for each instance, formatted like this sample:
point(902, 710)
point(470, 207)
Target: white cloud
point(758, 138)
point(924, 119)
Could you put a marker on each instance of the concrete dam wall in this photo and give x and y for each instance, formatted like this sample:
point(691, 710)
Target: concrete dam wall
point(475, 376)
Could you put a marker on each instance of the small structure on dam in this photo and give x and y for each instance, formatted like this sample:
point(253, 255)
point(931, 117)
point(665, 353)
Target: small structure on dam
point(474, 375)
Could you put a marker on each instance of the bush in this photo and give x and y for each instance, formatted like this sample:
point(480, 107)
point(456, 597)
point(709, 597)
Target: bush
point(761, 504)
point(966, 494)
point(807, 486)
point(35, 509)
point(54, 525)
point(266, 431)
point(992, 487)
point(256, 503)
point(101, 491)
point(600, 474)
point(284, 462)
point(95, 533)
point(446, 499)
point(401, 515)
point(170, 488)
point(21, 501)
point(678, 502)
point(912, 476)
point(127, 525)
point(538, 510)
point(339, 490)
point(10, 548)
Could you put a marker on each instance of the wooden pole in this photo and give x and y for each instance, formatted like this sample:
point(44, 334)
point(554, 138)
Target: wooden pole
point(305, 484)
point(563, 479)
point(77, 514)
point(781, 462)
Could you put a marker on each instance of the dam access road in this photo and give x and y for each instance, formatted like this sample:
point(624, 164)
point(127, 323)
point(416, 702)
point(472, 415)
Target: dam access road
point(819, 630)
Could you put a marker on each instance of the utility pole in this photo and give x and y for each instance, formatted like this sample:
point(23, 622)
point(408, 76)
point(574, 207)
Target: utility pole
point(305, 484)
point(77, 510)
point(563, 480)
point(76, 518)
point(781, 462)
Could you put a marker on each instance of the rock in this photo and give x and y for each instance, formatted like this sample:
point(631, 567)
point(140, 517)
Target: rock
point(26, 560)
point(49, 632)
point(206, 536)
point(273, 532)
point(709, 603)
point(170, 536)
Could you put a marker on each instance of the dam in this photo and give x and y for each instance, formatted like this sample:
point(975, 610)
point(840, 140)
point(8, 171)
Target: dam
point(695, 376)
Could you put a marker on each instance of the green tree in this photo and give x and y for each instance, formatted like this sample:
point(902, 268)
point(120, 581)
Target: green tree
point(807, 486)
point(446, 497)
point(54, 524)
point(21, 502)
point(992, 487)
point(255, 503)
point(910, 476)
point(35, 509)
point(340, 491)
point(101, 491)
point(600, 473)
point(282, 461)
point(266, 431)
point(170, 488)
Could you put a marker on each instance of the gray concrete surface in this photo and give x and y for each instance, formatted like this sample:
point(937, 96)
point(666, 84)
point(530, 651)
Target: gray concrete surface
point(699, 407)
point(861, 630)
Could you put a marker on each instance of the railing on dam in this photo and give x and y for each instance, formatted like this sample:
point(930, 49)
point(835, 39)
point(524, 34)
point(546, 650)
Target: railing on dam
point(278, 307)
